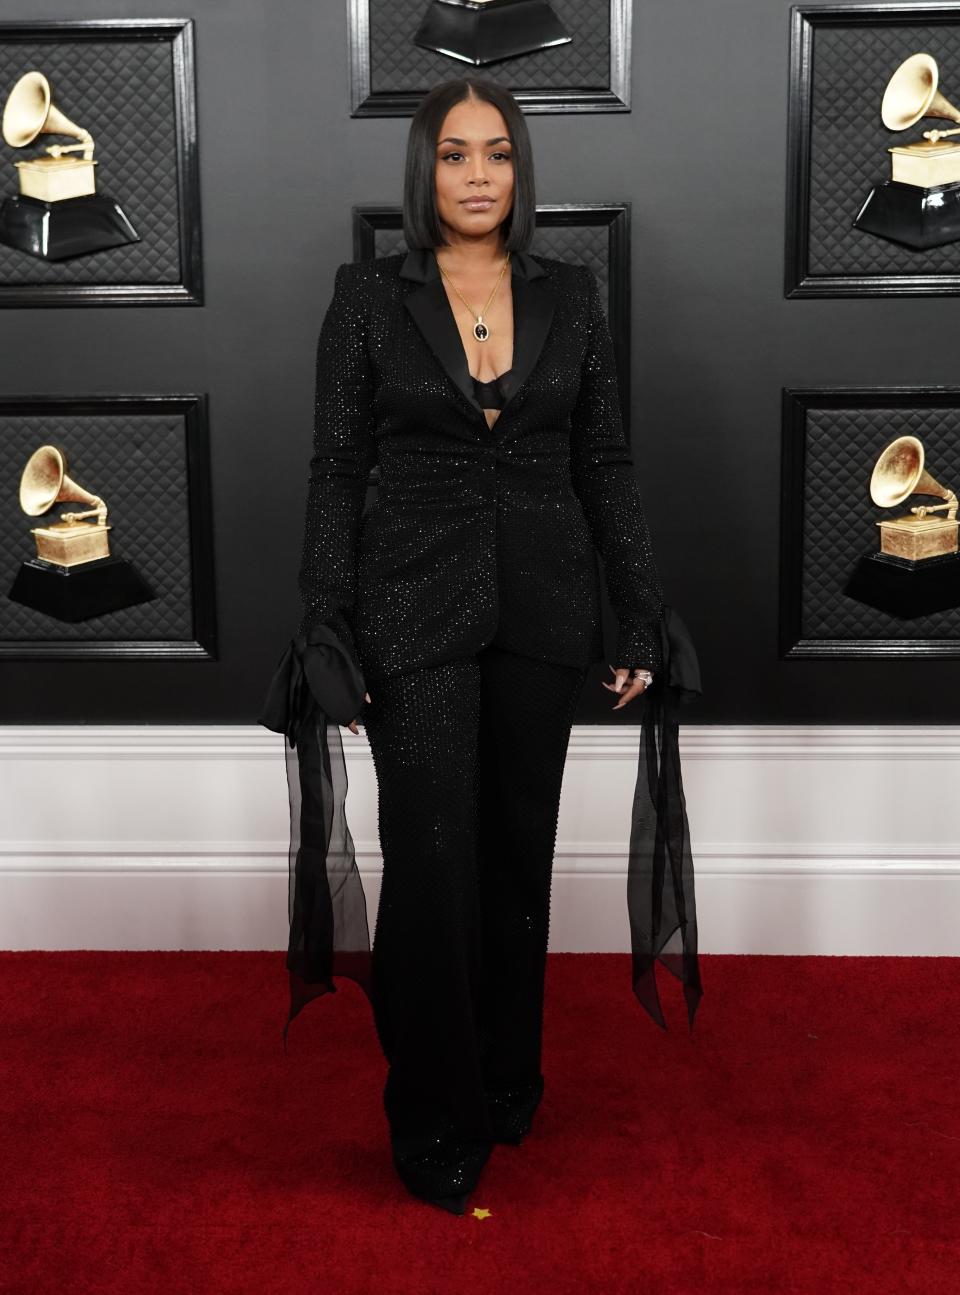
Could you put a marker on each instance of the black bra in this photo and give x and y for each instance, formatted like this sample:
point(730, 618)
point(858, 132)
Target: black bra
point(492, 394)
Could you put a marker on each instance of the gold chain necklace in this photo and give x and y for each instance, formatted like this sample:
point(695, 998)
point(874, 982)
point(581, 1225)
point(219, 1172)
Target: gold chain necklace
point(481, 331)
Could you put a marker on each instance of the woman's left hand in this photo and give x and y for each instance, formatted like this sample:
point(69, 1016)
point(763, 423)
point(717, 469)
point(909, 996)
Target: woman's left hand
point(624, 686)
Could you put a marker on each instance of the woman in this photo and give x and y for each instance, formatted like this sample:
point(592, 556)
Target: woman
point(464, 608)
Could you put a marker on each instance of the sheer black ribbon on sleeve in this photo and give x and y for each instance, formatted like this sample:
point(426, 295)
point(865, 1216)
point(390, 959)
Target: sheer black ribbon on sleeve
point(317, 686)
point(660, 900)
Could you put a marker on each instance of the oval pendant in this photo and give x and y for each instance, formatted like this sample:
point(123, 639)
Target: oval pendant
point(480, 331)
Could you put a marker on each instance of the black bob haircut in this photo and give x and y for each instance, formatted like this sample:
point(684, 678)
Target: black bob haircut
point(421, 223)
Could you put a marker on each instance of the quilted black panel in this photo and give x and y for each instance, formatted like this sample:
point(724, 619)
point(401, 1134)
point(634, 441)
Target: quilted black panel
point(842, 446)
point(579, 244)
point(122, 92)
point(399, 66)
point(137, 463)
point(848, 143)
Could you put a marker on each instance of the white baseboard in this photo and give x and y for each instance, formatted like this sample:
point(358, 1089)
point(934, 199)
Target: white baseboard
point(806, 840)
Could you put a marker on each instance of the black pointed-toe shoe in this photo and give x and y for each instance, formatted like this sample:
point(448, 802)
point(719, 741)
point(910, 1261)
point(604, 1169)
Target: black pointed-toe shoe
point(443, 1174)
point(455, 1204)
point(512, 1110)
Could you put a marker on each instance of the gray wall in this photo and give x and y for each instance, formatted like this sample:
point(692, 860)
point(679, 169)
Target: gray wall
point(701, 158)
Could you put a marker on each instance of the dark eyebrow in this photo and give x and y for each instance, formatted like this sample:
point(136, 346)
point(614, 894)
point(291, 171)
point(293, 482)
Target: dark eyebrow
point(452, 139)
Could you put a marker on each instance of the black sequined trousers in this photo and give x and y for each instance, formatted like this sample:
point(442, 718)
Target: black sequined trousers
point(469, 758)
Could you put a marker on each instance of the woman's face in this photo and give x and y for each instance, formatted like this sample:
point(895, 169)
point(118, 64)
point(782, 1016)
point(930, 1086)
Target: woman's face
point(474, 160)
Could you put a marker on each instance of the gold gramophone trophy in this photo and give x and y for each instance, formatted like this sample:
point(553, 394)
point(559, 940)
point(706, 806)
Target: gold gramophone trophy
point(74, 575)
point(482, 31)
point(919, 205)
point(58, 212)
point(917, 569)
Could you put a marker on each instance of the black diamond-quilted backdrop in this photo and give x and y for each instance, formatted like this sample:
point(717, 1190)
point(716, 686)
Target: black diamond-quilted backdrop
point(842, 446)
point(122, 92)
point(849, 142)
point(398, 66)
point(137, 463)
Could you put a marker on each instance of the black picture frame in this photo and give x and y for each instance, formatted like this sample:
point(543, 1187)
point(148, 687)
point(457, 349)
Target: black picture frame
point(368, 100)
point(202, 644)
point(797, 402)
point(187, 288)
point(799, 279)
point(368, 219)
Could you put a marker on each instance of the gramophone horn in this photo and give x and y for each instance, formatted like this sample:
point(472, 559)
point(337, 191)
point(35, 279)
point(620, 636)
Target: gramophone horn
point(912, 93)
point(29, 112)
point(44, 482)
point(899, 473)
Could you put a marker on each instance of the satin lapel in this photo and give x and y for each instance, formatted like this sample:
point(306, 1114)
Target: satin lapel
point(533, 308)
point(431, 311)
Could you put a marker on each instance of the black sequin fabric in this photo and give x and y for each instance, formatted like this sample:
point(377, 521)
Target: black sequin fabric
point(469, 757)
point(478, 535)
point(469, 595)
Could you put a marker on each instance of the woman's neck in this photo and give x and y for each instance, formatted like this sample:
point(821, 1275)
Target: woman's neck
point(471, 255)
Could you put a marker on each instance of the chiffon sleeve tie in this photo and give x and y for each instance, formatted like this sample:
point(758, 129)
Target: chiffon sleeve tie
point(314, 669)
point(660, 901)
point(317, 686)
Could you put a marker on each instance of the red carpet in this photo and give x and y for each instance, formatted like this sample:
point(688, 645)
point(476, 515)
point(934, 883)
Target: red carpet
point(806, 1138)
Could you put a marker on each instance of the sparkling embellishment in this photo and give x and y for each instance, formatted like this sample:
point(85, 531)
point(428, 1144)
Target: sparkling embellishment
point(473, 537)
point(469, 758)
point(474, 540)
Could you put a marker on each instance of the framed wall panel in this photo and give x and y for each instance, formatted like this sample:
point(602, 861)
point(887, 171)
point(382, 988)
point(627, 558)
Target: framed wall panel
point(130, 83)
point(389, 74)
point(147, 456)
point(841, 58)
point(831, 441)
point(594, 235)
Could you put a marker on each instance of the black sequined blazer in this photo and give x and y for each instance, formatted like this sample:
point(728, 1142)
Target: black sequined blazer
point(478, 535)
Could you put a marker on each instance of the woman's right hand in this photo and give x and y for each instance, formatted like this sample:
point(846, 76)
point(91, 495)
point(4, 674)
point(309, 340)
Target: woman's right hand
point(352, 726)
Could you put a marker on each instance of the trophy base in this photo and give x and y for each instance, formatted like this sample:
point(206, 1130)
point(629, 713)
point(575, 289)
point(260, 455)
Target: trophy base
point(906, 588)
point(498, 29)
point(54, 231)
point(79, 592)
point(917, 218)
